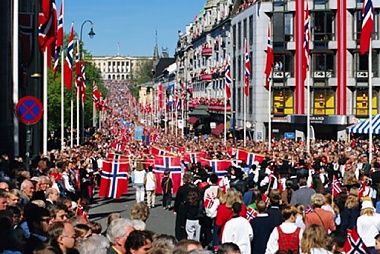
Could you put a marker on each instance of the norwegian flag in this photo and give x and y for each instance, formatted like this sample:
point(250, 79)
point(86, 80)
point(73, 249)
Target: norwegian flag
point(114, 178)
point(228, 79)
point(160, 96)
point(83, 83)
point(336, 187)
point(354, 244)
point(95, 93)
point(308, 209)
point(219, 167)
point(68, 72)
point(78, 72)
point(47, 24)
point(270, 60)
point(251, 158)
point(26, 36)
point(367, 26)
point(362, 189)
point(59, 41)
point(193, 157)
point(81, 211)
point(157, 151)
point(247, 72)
point(172, 163)
point(265, 198)
point(118, 147)
point(306, 42)
point(251, 214)
point(209, 200)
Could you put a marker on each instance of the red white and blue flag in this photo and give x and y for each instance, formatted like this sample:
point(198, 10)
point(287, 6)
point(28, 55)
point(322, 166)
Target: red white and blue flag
point(58, 41)
point(354, 244)
point(251, 214)
point(269, 62)
point(47, 24)
point(219, 167)
point(26, 36)
point(68, 72)
point(308, 209)
point(306, 42)
point(247, 68)
point(193, 157)
point(78, 71)
point(337, 188)
point(157, 151)
point(114, 178)
point(171, 163)
point(83, 83)
point(228, 79)
point(367, 26)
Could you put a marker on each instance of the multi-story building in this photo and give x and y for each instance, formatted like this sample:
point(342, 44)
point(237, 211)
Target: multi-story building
point(337, 77)
point(119, 67)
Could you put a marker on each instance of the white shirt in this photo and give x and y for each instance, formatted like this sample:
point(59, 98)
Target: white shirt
point(150, 184)
point(287, 228)
point(368, 227)
point(239, 231)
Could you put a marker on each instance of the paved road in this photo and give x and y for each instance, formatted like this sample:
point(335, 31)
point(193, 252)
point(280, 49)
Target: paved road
point(160, 220)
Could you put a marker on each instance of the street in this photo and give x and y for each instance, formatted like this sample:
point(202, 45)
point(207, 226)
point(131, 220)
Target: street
point(160, 221)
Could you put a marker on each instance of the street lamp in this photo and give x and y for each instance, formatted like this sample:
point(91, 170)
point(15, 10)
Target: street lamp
point(91, 34)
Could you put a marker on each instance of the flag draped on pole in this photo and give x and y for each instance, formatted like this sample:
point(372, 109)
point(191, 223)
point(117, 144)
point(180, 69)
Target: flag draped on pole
point(160, 96)
point(83, 83)
point(336, 187)
point(95, 93)
point(59, 41)
point(47, 24)
point(270, 60)
point(247, 68)
point(69, 60)
point(228, 79)
point(367, 26)
point(306, 42)
point(78, 72)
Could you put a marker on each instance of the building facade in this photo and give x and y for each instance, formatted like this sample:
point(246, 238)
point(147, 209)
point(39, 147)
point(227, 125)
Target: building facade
point(337, 76)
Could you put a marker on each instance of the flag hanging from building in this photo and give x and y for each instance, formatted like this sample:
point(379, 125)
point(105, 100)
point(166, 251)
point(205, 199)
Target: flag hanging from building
point(228, 79)
point(367, 26)
point(47, 24)
point(58, 41)
point(68, 72)
point(247, 72)
point(306, 42)
point(270, 60)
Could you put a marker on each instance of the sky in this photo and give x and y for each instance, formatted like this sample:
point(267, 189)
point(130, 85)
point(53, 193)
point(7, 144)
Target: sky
point(132, 24)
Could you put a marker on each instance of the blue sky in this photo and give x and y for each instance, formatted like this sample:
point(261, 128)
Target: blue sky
point(132, 23)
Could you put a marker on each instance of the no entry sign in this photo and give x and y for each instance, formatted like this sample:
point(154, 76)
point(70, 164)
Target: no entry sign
point(29, 110)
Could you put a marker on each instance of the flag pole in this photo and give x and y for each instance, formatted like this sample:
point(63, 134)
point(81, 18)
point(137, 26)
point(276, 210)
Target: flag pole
point(225, 118)
point(44, 98)
point(62, 101)
point(245, 120)
point(270, 114)
point(370, 99)
point(308, 112)
point(15, 76)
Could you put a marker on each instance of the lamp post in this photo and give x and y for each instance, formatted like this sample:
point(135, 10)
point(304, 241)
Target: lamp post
point(91, 34)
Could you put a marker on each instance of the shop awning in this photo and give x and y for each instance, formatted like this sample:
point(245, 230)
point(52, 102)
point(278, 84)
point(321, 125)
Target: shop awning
point(192, 120)
point(218, 129)
point(363, 127)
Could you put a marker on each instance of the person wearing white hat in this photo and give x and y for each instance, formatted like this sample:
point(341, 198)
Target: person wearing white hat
point(368, 224)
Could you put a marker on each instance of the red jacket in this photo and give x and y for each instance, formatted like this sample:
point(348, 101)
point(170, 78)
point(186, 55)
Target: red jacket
point(224, 214)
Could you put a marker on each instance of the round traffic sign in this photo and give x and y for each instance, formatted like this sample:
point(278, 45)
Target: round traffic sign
point(29, 110)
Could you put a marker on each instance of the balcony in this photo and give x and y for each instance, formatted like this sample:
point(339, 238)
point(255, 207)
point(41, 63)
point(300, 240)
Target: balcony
point(280, 75)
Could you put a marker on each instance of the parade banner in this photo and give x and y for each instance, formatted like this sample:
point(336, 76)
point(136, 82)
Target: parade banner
point(219, 167)
point(171, 163)
point(193, 157)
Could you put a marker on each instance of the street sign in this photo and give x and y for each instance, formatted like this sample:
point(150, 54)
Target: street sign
point(289, 135)
point(29, 110)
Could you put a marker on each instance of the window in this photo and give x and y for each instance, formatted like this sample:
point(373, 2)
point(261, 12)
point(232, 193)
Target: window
point(283, 65)
point(239, 63)
point(362, 66)
point(234, 36)
point(323, 65)
point(282, 102)
point(239, 100)
point(245, 29)
point(324, 102)
point(323, 28)
point(250, 102)
point(282, 29)
point(239, 35)
point(250, 31)
point(362, 102)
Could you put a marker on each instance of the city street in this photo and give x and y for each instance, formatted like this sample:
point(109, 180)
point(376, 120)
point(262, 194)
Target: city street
point(160, 220)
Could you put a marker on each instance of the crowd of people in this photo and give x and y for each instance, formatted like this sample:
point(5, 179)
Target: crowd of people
point(293, 201)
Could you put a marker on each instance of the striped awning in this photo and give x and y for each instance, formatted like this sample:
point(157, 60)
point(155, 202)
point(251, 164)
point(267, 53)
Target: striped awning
point(363, 127)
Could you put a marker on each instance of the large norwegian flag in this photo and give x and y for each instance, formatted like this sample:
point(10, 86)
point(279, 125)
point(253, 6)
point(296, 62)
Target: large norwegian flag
point(306, 42)
point(114, 178)
point(47, 24)
point(367, 26)
point(270, 60)
point(157, 151)
point(219, 167)
point(193, 157)
point(172, 163)
point(354, 244)
point(68, 72)
point(58, 41)
point(248, 157)
point(228, 79)
point(247, 71)
point(118, 147)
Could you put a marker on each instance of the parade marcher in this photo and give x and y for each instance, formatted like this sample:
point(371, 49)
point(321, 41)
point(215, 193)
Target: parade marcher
point(138, 175)
point(285, 238)
point(167, 187)
point(368, 224)
point(179, 206)
point(320, 216)
point(351, 210)
point(314, 240)
point(238, 230)
point(303, 194)
point(150, 183)
point(274, 211)
point(194, 213)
